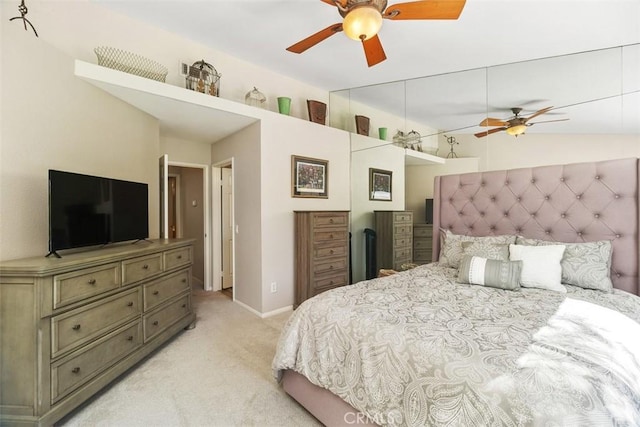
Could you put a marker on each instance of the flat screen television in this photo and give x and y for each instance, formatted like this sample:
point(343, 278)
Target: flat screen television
point(87, 210)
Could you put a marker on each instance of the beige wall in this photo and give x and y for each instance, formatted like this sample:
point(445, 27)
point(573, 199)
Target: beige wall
point(52, 120)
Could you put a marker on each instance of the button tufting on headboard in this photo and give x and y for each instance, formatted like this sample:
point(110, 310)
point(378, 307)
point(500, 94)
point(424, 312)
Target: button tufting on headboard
point(568, 203)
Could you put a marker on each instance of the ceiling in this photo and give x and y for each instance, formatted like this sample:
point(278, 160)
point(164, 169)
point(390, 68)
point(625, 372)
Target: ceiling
point(488, 33)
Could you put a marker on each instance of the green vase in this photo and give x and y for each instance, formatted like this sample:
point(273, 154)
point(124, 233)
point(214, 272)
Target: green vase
point(284, 105)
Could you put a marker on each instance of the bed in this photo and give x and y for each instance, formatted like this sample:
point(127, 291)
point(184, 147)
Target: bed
point(423, 348)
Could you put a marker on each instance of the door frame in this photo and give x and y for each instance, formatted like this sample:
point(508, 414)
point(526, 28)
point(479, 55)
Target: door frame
point(208, 285)
point(216, 243)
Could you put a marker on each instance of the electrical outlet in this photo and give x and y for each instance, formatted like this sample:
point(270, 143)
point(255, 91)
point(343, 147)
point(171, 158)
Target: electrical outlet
point(274, 287)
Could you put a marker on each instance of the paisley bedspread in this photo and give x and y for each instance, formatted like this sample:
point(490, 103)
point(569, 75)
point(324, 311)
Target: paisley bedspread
point(418, 349)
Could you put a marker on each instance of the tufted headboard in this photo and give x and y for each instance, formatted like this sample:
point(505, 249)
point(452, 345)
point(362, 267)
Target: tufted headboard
point(579, 202)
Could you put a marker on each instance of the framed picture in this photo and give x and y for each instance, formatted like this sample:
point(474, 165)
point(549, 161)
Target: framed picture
point(309, 177)
point(379, 184)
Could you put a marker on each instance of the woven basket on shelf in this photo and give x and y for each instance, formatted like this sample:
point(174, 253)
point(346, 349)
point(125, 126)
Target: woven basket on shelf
point(130, 63)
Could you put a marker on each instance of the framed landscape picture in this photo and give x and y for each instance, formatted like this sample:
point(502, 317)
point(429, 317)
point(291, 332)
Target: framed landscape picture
point(309, 177)
point(379, 184)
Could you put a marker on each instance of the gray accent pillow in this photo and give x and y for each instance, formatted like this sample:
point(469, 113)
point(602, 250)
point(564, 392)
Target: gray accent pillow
point(490, 272)
point(451, 251)
point(486, 250)
point(587, 265)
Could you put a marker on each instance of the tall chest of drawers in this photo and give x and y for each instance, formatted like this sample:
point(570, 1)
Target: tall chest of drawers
point(70, 326)
point(422, 243)
point(321, 251)
point(394, 238)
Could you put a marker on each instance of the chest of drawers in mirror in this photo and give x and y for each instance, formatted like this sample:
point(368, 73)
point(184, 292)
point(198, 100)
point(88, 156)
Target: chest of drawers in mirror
point(394, 239)
point(322, 252)
point(70, 326)
point(422, 243)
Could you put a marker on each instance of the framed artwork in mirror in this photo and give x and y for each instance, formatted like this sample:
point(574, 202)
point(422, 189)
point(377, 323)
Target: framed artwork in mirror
point(309, 177)
point(380, 184)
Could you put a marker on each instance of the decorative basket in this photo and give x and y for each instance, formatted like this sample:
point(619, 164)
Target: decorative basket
point(130, 63)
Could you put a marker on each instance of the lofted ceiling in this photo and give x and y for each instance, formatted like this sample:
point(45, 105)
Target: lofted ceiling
point(488, 33)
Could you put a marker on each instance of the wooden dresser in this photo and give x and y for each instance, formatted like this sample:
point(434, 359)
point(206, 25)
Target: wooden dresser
point(70, 326)
point(322, 252)
point(422, 243)
point(394, 239)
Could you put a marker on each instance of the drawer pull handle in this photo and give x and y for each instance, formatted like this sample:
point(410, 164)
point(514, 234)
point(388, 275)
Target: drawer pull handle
point(146, 266)
point(331, 251)
point(155, 323)
point(130, 338)
point(179, 256)
point(331, 221)
point(156, 292)
point(331, 236)
point(184, 280)
point(76, 327)
point(92, 281)
point(130, 304)
point(184, 305)
point(331, 267)
point(331, 282)
point(75, 370)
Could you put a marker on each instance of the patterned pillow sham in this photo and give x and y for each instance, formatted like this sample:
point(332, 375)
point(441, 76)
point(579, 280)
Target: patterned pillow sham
point(494, 273)
point(486, 250)
point(587, 265)
point(540, 266)
point(451, 251)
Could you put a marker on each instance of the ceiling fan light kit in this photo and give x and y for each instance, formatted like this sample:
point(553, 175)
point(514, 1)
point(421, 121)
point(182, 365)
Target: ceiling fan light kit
point(514, 126)
point(362, 19)
point(516, 130)
point(362, 23)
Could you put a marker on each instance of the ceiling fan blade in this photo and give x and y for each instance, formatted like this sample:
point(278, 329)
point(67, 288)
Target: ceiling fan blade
point(493, 122)
point(432, 9)
point(373, 51)
point(537, 113)
point(489, 132)
point(343, 3)
point(547, 121)
point(314, 39)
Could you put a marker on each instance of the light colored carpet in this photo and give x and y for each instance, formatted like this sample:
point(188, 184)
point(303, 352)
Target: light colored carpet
point(218, 374)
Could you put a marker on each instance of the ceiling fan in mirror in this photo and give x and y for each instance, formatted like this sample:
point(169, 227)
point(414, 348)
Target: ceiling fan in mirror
point(515, 125)
point(362, 20)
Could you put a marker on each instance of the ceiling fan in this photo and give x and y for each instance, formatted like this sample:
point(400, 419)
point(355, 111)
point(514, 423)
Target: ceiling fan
point(514, 126)
point(362, 20)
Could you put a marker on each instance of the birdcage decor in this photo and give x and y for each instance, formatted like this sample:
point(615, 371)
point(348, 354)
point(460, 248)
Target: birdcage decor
point(411, 140)
point(255, 98)
point(203, 77)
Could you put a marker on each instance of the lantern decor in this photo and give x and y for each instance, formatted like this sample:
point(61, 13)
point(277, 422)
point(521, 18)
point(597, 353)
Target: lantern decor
point(203, 77)
point(255, 98)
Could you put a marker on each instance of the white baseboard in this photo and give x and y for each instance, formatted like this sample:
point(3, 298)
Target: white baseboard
point(267, 314)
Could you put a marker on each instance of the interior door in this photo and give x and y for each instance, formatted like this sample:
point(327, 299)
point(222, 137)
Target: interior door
point(163, 163)
point(227, 227)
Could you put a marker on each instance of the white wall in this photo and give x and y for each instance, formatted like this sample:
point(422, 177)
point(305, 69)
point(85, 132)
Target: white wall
point(369, 153)
point(52, 120)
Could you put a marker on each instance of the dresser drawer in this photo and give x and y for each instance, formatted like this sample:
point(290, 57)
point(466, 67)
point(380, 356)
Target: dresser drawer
point(81, 284)
point(423, 231)
point(155, 293)
point(161, 319)
point(72, 329)
point(422, 244)
point(423, 255)
point(406, 217)
point(177, 258)
point(405, 254)
point(330, 219)
point(402, 241)
point(136, 269)
point(330, 282)
point(71, 372)
point(328, 250)
point(331, 235)
point(403, 230)
point(336, 264)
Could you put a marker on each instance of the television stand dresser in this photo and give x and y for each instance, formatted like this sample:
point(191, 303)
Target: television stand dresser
point(70, 326)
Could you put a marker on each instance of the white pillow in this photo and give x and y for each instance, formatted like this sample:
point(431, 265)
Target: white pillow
point(540, 266)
